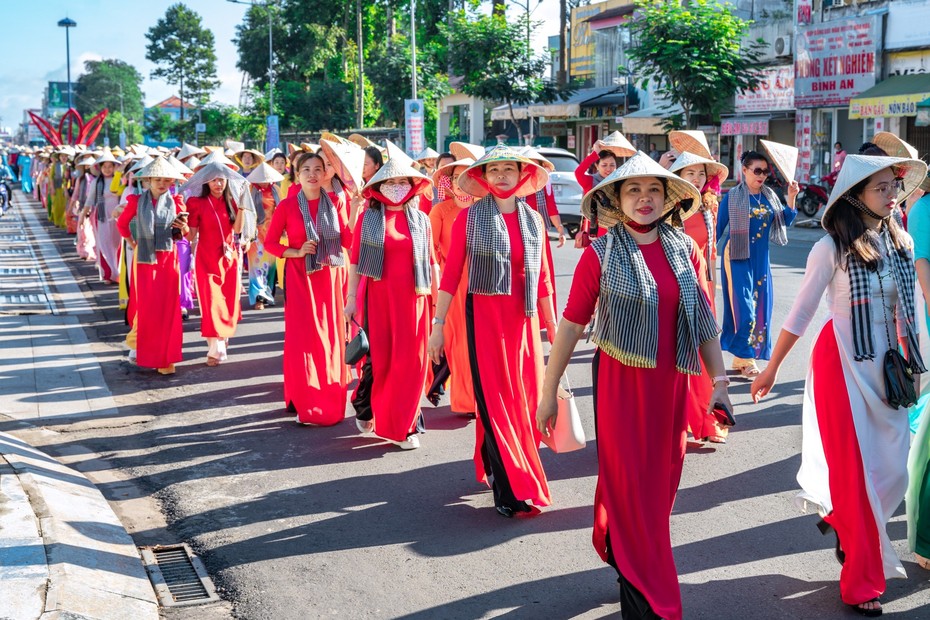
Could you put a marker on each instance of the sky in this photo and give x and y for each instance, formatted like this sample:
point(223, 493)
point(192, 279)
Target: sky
point(34, 45)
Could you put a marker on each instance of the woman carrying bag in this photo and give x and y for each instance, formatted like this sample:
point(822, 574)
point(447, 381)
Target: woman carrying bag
point(392, 249)
point(653, 328)
point(315, 376)
point(500, 240)
point(854, 454)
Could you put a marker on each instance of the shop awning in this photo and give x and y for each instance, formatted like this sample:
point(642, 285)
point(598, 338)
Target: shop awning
point(649, 121)
point(502, 112)
point(571, 106)
point(896, 96)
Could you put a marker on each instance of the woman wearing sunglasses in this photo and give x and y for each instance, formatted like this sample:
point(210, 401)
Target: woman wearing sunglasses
point(753, 214)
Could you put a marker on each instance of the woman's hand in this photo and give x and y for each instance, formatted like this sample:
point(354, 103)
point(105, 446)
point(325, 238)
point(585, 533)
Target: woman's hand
point(598, 146)
point(793, 189)
point(562, 236)
point(667, 159)
point(349, 310)
point(436, 343)
point(721, 395)
point(763, 383)
point(546, 414)
point(308, 247)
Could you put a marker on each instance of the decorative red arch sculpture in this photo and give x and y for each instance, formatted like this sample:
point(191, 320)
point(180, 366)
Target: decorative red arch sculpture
point(78, 132)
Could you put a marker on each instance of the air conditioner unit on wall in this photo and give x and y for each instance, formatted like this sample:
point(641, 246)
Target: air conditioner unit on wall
point(782, 46)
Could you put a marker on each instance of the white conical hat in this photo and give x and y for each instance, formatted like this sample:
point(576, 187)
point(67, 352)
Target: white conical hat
point(690, 141)
point(160, 168)
point(189, 150)
point(144, 161)
point(713, 168)
point(893, 145)
point(310, 147)
point(85, 160)
point(264, 173)
point(398, 166)
point(427, 153)
point(448, 169)
point(362, 141)
point(271, 154)
point(530, 153)
point(348, 159)
point(179, 166)
point(638, 166)
point(105, 157)
point(784, 156)
point(470, 185)
point(464, 150)
point(218, 156)
point(617, 144)
point(857, 168)
point(232, 145)
point(192, 162)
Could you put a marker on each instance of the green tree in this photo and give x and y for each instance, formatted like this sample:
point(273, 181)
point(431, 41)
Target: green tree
point(184, 52)
point(491, 56)
point(159, 126)
point(116, 86)
point(692, 54)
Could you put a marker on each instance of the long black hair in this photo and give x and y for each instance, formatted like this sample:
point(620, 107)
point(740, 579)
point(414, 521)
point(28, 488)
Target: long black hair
point(227, 198)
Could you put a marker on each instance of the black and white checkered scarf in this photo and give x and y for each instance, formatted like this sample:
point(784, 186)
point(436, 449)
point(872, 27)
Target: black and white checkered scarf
point(371, 251)
point(627, 327)
point(740, 206)
point(860, 301)
point(326, 232)
point(488, 245)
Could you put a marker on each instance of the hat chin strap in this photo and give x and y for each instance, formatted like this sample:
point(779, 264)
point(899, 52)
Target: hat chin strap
point(861, 206)
point(478, 176)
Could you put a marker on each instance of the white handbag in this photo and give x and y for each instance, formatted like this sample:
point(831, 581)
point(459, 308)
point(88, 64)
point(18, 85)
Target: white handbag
point(568, 434)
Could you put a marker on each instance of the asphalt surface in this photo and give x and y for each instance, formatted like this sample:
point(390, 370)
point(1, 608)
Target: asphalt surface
point(302, 522)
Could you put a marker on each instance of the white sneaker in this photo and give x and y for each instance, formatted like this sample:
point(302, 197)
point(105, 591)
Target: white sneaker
point(411, 443)
point(365, 427)
point(132, 356)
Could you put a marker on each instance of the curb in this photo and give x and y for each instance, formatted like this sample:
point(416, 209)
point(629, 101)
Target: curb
point(69, 555)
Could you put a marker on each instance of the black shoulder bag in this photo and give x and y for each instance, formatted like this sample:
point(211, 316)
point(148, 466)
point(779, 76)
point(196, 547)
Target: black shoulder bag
point(899, 377)
point(357, 348)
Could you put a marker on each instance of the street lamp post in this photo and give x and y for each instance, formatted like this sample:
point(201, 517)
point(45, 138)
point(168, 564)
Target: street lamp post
point(67, 24)
point(413, 45)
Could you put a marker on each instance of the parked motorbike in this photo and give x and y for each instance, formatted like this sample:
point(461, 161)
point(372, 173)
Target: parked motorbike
point(814, 195)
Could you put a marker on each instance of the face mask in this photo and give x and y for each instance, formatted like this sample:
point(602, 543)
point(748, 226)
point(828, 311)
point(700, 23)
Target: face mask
point(395, 193)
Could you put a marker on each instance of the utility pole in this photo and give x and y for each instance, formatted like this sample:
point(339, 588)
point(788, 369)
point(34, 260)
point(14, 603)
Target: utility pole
point(270, 64)
point(413, 45)
point(360, 118)
point(560, 75)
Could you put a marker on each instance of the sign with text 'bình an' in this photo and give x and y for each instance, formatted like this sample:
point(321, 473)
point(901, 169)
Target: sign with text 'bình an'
point(413, 122)
point(836, 60)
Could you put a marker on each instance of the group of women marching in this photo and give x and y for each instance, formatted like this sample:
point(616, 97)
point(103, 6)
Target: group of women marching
point(443, 266)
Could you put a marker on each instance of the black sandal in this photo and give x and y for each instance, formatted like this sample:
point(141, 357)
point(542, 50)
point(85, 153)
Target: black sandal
point(825, 528)
point(868, 613)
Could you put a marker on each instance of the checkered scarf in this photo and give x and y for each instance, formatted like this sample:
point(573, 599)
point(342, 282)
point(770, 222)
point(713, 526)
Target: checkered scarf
point(541, 203)
point(739, 220)
point(860, 301)
point(488, 246)
point(326, 232)
point(153, 224)
point(371, 251)
point(258, 198)
point(627, 326)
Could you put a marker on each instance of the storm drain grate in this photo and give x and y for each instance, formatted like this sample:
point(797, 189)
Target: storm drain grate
point(178, 576)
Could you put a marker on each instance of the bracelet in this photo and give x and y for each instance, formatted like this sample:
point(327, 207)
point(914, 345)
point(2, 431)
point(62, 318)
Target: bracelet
point(438, 321)
point(722, 378)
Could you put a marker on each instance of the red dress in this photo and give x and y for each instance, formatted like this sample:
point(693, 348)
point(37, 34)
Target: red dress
point(157, 292)
point(641, 421)
point(586, 181)
point(461, 390)
point(551, 210)
point(315, 377)
point(219, 285)
point(507, 369)
point(397, 322)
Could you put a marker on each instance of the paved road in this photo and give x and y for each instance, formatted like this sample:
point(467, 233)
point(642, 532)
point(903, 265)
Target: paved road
point(299, 522)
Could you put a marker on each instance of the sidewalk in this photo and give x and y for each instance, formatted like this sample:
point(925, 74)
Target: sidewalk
point(63, 551)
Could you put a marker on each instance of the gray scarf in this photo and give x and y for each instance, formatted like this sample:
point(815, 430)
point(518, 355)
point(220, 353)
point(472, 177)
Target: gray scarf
point(371, 251)
point(153, 225)
point(100, 190)
point(260, 204)
point(627, 326)
point(739, 203)
point(326, 232)
point(860, 301)
point(488, 246)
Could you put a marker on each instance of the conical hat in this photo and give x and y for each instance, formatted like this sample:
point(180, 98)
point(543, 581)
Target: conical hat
point(448, 169)
point(690, 141)
point(464, 150)
point(538, 180)
point(348, 160)
point(105, 157)
point(326, 135)
point(66, 149)
point(192, 162)
point(399, 166)
point(638, 166)
point(893, 145)
point(189, 150)
point(160, 168)
point(617, 144)
point(362, 141)
point(264, 173)
point(144, 161)
point(234, 146)
point(117, 151)
point(210, 148)
point(427, 153)
point(272, 153)
point(857, 168)
point(259, 157)
point(218, 156)
point(309, 147)
point(784, 156)
point(713, 168)
point(86, 161)
point(530, 153)
point(180, 167)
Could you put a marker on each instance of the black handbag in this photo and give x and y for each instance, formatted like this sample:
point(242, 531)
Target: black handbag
point(357, 348)
point(900, 390)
